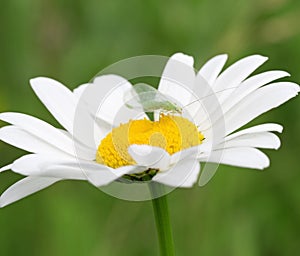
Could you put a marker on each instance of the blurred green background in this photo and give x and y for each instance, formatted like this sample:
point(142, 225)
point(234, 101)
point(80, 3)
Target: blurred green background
point(240, 212)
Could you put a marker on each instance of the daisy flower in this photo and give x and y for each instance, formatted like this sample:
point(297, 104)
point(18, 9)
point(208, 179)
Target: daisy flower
point(104, 140)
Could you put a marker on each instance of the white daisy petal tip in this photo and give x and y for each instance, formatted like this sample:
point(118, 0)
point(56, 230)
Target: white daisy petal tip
point(264, 139)
point(182, 57)
point(40, 81)
point(242, 112)
point(264, 165)
point(223, 55)
point(262, 161)
point(277, 146)
point(220, 58)
point(245, 157)
point(258, 56)
point(115, 80)
point(24, 188)
point(36, 80)
point(5, 168)
point(280, 128)
point(284, 73)
point(58, 99)
point(212, 68)
point(292, 86)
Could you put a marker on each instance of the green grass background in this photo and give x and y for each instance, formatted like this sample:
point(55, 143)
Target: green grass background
point(240, 212)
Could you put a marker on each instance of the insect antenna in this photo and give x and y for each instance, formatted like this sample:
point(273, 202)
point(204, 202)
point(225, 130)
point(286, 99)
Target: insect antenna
point(211, 94)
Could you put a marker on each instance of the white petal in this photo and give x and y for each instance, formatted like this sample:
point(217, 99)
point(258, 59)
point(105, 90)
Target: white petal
point(106, 99)
point(86, 123)
point(85, 127)
point(40, 129)
point(102, 178)
point(188, 153)
point(64, 106)
point(89, 128)
point(48, 133)
point(184, 58)
point(257, 136)
point(270, 127)
point(79, 171)
point(250, 85)
point(97, 174)
point(21, 139)
point(184, 174)
point(256, 140)
point(57, 98)
point(212, 68)
point(237, 72)
point(35, 164)
point(62, 171)
point(6, 168)
point(260, 101)
point(242, 157)
point(25, 187)
point(61, 168)
point(151, 157)
point(203, 102)
point(178, 78)
point(53, 166)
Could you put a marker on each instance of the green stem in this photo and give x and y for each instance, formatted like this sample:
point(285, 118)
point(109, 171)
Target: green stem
point(162, 219)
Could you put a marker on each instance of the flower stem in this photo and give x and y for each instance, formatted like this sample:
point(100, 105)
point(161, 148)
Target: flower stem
point(162, 219)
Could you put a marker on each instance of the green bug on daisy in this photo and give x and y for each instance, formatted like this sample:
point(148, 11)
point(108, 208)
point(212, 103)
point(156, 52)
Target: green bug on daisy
point(146, 98)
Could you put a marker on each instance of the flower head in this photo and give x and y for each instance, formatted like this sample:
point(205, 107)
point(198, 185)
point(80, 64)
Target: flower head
point(171, 133)
point(126, 145)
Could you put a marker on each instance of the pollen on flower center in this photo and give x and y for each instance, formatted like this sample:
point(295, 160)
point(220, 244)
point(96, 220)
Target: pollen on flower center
point(172, 133)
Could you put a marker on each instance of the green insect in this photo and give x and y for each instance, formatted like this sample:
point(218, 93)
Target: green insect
point(146, 98)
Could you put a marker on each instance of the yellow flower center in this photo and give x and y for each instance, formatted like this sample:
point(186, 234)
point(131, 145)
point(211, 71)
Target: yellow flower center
point(172, 133)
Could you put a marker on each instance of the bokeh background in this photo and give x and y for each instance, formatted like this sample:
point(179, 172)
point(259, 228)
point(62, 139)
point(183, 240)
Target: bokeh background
point(240, 212)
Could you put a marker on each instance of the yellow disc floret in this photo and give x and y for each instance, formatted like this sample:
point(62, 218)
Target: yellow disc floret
point(172, 133)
